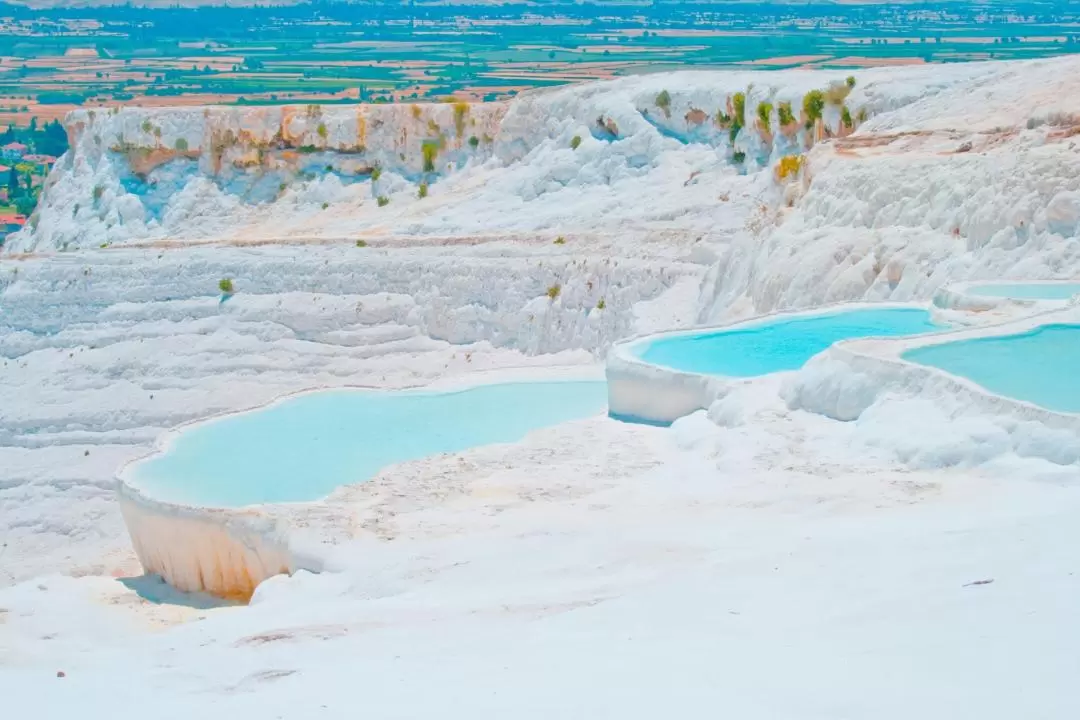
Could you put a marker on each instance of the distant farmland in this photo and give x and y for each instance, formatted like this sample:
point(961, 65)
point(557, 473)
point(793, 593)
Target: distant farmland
point(54, 60)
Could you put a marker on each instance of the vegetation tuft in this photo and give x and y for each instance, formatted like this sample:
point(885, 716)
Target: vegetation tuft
point(430, 151)
point(789, 166)
point(845, 117)
point(764, 111)
point(663, 101)
point(784, 114)
point(813, 104)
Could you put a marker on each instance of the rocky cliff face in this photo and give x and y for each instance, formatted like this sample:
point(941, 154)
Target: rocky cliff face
point(600, 157)
point(796, 187)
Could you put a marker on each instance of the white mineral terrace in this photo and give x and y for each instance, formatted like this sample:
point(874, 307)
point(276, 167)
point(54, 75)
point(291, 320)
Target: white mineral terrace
point(860, 538)
point(229, 551)
point(641, 391)
point(854, 376)
point(974, 296)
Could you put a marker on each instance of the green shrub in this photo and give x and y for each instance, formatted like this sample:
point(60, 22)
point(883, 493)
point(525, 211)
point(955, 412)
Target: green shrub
point(723, 119)
point(560, 240)
point(813, 103)
point(321, 130)
point(422, 191)
point(553, 291)
point(225, 285)
point(738, 156)
point(850, 81)
point(461, 109)
point(430, 151)
point(764, 110)
point(575, 142)
point(784, 114)
point(601, 305)
point(663, 101)
point(147, 126)
point(325, 205)
point(845, 117)
point(361, 243)
point(738, 101)
point(474, 142)
point(376, 173)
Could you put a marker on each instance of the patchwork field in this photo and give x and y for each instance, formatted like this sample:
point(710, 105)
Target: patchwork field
point(52, 61)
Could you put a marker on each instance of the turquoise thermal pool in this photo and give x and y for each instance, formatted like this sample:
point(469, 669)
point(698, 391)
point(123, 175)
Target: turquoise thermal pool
point(1039, 366)
point(1027, 291)
point(303, 447)
point(777, 344)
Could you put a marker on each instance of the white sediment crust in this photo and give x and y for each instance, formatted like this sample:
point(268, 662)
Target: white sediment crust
point(959, 296)
point(647, 392)
point(853, 375)
point(223, 552)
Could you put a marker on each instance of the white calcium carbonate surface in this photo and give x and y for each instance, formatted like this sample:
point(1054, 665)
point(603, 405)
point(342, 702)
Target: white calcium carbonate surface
point(755, 560)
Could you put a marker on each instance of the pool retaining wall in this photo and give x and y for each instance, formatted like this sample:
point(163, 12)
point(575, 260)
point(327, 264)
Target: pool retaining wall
point(849, 377)
point(640, 391)
point(222, 551)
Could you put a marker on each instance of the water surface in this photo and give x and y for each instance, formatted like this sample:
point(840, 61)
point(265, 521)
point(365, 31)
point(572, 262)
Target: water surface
point(777, 344)
point(1028, 291)
point(304, 447)
point(1039, 366)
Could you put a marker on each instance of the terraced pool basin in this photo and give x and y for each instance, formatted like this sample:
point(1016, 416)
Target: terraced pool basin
point(1039, 366)
point(303, 447)
point(1027, 291)
point(777, 344)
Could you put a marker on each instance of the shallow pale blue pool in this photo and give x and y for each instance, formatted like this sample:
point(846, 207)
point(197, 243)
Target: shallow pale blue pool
point(1039, 366)
point(304, 447)
point(780, 343)
point(1027, 291)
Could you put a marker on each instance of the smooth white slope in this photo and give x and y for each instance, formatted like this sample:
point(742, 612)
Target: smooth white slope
point(776, 568)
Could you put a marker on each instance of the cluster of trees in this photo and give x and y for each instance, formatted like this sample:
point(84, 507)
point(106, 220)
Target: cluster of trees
point(21, 191)
point(48, 139)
